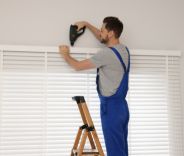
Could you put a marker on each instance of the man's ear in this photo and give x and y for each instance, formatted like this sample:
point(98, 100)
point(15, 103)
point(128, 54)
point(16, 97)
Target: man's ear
point(111, 34)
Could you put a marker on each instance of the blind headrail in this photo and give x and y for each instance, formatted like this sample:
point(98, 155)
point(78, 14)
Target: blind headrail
point(86, 50)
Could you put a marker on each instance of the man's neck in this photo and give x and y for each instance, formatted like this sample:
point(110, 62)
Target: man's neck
point(113, 43)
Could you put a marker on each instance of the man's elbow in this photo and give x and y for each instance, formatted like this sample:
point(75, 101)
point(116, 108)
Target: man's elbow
point(84, 65)
point(78, 68)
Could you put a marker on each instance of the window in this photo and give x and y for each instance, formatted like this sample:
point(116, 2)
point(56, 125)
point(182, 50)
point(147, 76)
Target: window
point(38, 116)
point(155, 103)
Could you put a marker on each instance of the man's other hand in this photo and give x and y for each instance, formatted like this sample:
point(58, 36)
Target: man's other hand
point(64, 50)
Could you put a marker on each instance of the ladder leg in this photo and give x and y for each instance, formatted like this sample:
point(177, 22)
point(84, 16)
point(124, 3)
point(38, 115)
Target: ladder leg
point(91, 141)
point(99, 147)
point(90, 123)
point(77, 139)
point(83, 141)
point(82, 112)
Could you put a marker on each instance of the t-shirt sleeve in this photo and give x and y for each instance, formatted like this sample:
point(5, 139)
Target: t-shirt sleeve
point(100, 59)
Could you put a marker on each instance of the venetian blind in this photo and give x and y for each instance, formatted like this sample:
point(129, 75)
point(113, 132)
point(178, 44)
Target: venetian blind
point(38, 116)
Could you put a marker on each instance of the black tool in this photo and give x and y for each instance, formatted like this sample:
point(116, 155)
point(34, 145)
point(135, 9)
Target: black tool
point(74, 33)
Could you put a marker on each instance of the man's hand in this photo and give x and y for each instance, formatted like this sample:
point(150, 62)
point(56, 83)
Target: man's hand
point(81, 24)
point(64, 50)
point(92, 28)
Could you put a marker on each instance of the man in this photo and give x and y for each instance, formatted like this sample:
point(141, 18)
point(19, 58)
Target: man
point(113, 64)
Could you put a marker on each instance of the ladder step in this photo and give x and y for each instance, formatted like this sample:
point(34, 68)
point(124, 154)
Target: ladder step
point(87, 151)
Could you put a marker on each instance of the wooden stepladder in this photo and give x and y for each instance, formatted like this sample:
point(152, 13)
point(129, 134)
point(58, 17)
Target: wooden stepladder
point(86, 130)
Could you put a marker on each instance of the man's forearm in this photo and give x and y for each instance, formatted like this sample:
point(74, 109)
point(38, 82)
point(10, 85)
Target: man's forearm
point(94, 30)
point(71, 61)
point(77, 65)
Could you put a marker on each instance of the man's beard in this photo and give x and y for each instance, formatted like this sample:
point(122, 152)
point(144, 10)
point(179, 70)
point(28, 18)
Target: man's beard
point(104, 40)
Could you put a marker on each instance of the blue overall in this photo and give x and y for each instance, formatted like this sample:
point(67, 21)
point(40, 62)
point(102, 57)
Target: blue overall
point(115, 114)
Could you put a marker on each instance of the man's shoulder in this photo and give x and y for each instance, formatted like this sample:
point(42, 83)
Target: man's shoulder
point(104, 51)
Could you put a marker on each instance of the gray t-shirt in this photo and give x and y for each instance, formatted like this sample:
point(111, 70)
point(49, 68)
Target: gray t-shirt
point(110, 68)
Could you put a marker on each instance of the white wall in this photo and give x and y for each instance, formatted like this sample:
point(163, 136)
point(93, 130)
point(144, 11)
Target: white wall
point(149, 24)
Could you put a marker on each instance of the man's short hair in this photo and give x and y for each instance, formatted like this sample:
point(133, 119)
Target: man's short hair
point(113, 24)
